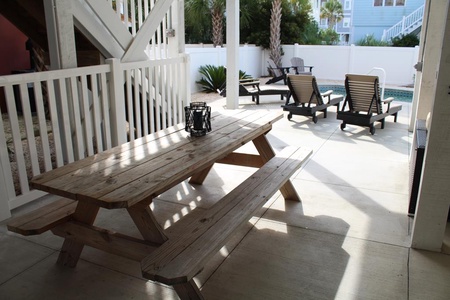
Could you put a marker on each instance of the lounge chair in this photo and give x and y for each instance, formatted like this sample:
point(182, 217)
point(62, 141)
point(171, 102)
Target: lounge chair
point(252, 87)
point(307, 98)
point(363, 105)
point(278, 73)
point(299, 66)
point(247, 87)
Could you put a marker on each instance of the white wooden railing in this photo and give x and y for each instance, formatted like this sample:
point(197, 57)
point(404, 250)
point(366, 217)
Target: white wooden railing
point(79, 112)
point(406, 25)
point(133, 14)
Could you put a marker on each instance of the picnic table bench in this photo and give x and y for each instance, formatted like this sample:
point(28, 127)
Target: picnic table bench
point(117, 179)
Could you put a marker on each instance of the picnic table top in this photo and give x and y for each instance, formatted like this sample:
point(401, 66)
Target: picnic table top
point(144, 168)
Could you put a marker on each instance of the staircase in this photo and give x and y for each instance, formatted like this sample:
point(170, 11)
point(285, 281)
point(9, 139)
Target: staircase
point(29, 17)
point(409, 24)
point(103, 29)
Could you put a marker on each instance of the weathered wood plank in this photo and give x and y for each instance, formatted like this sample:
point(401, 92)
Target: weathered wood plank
point(178, 260)
point(43, 218)
point(108, 154)
point(71, 249)
point(120, 184)
point(106, 240)
point(180, 168)
point(118, 159)
point(242, 159)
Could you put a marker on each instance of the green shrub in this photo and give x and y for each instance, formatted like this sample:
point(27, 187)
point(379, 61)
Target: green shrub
point(370, 40)
point(214, 78)
point(409, 40)
point(329, 36)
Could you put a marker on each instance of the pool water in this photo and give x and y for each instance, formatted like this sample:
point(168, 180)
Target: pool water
point(399, 95)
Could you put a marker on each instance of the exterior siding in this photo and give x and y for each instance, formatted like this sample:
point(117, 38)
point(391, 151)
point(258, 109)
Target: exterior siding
point(368, 19)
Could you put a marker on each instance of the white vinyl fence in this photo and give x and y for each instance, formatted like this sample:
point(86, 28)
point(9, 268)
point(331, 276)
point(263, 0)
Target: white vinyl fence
point(330, 62)
point(57, 117)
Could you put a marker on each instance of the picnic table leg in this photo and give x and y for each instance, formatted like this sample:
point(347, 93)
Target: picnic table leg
point(188, 290)
point(200, 176)
point(71, 249)
point(145, 221)
point(265, 150)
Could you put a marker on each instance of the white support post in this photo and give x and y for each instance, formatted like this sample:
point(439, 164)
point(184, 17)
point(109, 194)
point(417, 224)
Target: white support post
point(433, 203)
point(117, 102)
point(7, 191)
point(232, 54)
point(176, 42)
point(61, 34)
point(61, 45)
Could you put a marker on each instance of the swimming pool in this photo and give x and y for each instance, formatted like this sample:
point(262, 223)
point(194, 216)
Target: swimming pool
point(399, 95)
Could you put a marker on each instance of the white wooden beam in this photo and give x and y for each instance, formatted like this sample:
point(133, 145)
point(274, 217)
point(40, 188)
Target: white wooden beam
point(232, 54)
point(86, 21)
point(136, 50)
point(433, 203)
point(61, 35)
point(111, 21)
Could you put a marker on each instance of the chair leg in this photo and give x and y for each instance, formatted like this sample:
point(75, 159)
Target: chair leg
point(382, 123)
point(395, 117)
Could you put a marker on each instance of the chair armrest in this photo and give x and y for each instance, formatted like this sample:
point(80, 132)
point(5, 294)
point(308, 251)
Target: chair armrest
point(327, 94)
point(285, 70)
point(310, 68)
point(249, 81)
point(388, 102)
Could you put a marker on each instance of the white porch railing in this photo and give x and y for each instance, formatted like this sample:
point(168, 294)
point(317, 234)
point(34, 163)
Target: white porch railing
point(133, 14)
point(70, 114)
point(406, 25)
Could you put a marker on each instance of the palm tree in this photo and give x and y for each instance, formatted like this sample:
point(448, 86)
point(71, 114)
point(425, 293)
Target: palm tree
point(332, 11)
point(198, 10)
point(275, 32)
point(300, 5)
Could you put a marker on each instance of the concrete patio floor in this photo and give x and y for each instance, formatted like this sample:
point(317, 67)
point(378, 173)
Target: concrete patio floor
point(348, 239)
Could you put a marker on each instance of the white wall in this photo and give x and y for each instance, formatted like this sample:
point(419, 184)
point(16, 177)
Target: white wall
point(250, 60)
point(330, 62)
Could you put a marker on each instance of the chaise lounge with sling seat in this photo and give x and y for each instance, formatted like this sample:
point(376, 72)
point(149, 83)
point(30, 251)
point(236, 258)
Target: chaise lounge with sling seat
point(251, 87)
point(363, 105)
point(307, 98)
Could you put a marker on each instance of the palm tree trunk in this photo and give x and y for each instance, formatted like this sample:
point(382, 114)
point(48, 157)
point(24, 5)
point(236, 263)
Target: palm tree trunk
point(217, 26)
point(275, 32)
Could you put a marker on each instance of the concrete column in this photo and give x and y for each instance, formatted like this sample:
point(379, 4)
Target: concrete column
point(232, 54)
point(433, 203)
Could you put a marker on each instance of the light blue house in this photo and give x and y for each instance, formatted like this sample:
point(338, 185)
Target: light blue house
point(385, 18)
point(343, 28)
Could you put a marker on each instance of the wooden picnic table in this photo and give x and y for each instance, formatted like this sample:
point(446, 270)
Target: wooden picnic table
point(129, 176)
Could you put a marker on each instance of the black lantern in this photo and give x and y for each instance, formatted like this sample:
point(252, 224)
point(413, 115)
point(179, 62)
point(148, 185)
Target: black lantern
point(198, 118)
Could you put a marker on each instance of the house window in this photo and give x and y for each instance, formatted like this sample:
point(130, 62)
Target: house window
point(347, 4)
point(346, 23)
point(388, 2)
